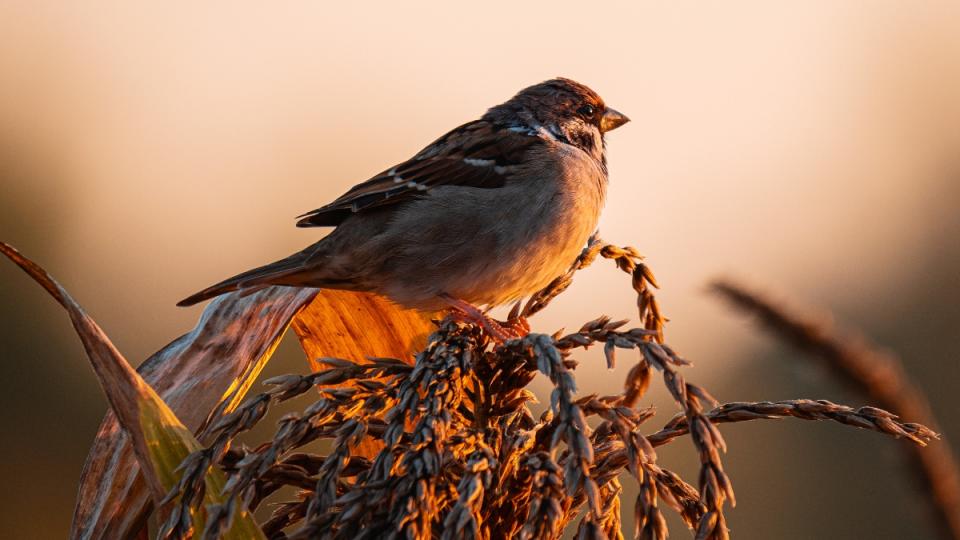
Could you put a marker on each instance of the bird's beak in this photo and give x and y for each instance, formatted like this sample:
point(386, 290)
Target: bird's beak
point(611, 120)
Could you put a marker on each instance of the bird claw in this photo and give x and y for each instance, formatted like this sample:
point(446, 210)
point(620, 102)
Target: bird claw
point(518, 325)
point(501, 332)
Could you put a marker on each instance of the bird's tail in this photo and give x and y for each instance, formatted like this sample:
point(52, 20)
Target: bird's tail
point(282, 272)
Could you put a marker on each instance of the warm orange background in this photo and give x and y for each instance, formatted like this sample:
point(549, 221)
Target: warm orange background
point(147, 151)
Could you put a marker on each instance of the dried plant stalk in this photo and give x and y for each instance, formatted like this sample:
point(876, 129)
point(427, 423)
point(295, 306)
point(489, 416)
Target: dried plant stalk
point(878, 375)
point(870, 418)
point(448, 448)
point(461, 456)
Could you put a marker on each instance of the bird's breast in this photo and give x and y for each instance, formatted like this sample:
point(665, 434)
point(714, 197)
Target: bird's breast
point(493, 246)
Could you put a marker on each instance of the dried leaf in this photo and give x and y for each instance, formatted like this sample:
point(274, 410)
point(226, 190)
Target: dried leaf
point(159, 440)
point(357, 326)
point(208, 369)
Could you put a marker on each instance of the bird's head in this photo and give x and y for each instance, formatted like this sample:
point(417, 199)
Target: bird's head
point(565, 109)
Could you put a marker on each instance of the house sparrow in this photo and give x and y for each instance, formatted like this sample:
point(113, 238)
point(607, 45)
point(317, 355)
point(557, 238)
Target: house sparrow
point(485, 215)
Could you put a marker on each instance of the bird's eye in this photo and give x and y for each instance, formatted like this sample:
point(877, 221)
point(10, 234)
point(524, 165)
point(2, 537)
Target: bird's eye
point(587, 111)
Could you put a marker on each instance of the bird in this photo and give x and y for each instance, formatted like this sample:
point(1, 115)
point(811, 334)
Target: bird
point(487, 214)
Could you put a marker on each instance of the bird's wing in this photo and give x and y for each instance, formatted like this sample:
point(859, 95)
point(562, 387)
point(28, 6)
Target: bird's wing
point(477, 154)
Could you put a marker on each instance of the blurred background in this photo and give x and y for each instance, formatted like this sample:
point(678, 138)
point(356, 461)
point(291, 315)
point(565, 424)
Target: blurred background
point(809, 149)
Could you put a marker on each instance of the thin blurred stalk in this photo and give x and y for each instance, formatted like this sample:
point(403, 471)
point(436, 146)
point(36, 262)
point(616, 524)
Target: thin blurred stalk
point(876, 374)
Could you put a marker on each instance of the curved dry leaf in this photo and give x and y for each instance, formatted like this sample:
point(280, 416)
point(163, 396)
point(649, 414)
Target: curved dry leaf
point(212, 367)
point(208, 369)
point(159, 440)
point(356, 326)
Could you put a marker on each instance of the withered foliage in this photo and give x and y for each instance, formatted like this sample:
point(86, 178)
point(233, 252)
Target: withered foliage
point(447, 447)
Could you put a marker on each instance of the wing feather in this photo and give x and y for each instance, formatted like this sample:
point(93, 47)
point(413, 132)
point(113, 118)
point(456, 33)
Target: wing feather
point(477, 154)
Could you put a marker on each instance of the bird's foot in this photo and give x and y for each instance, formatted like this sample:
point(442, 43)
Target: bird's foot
point(514, 328)
point(519, 325)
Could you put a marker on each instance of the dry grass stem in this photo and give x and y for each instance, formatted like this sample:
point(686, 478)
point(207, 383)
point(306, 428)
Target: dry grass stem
point(870, 418)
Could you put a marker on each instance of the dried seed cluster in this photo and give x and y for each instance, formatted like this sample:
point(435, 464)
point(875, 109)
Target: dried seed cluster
point(448, 448)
